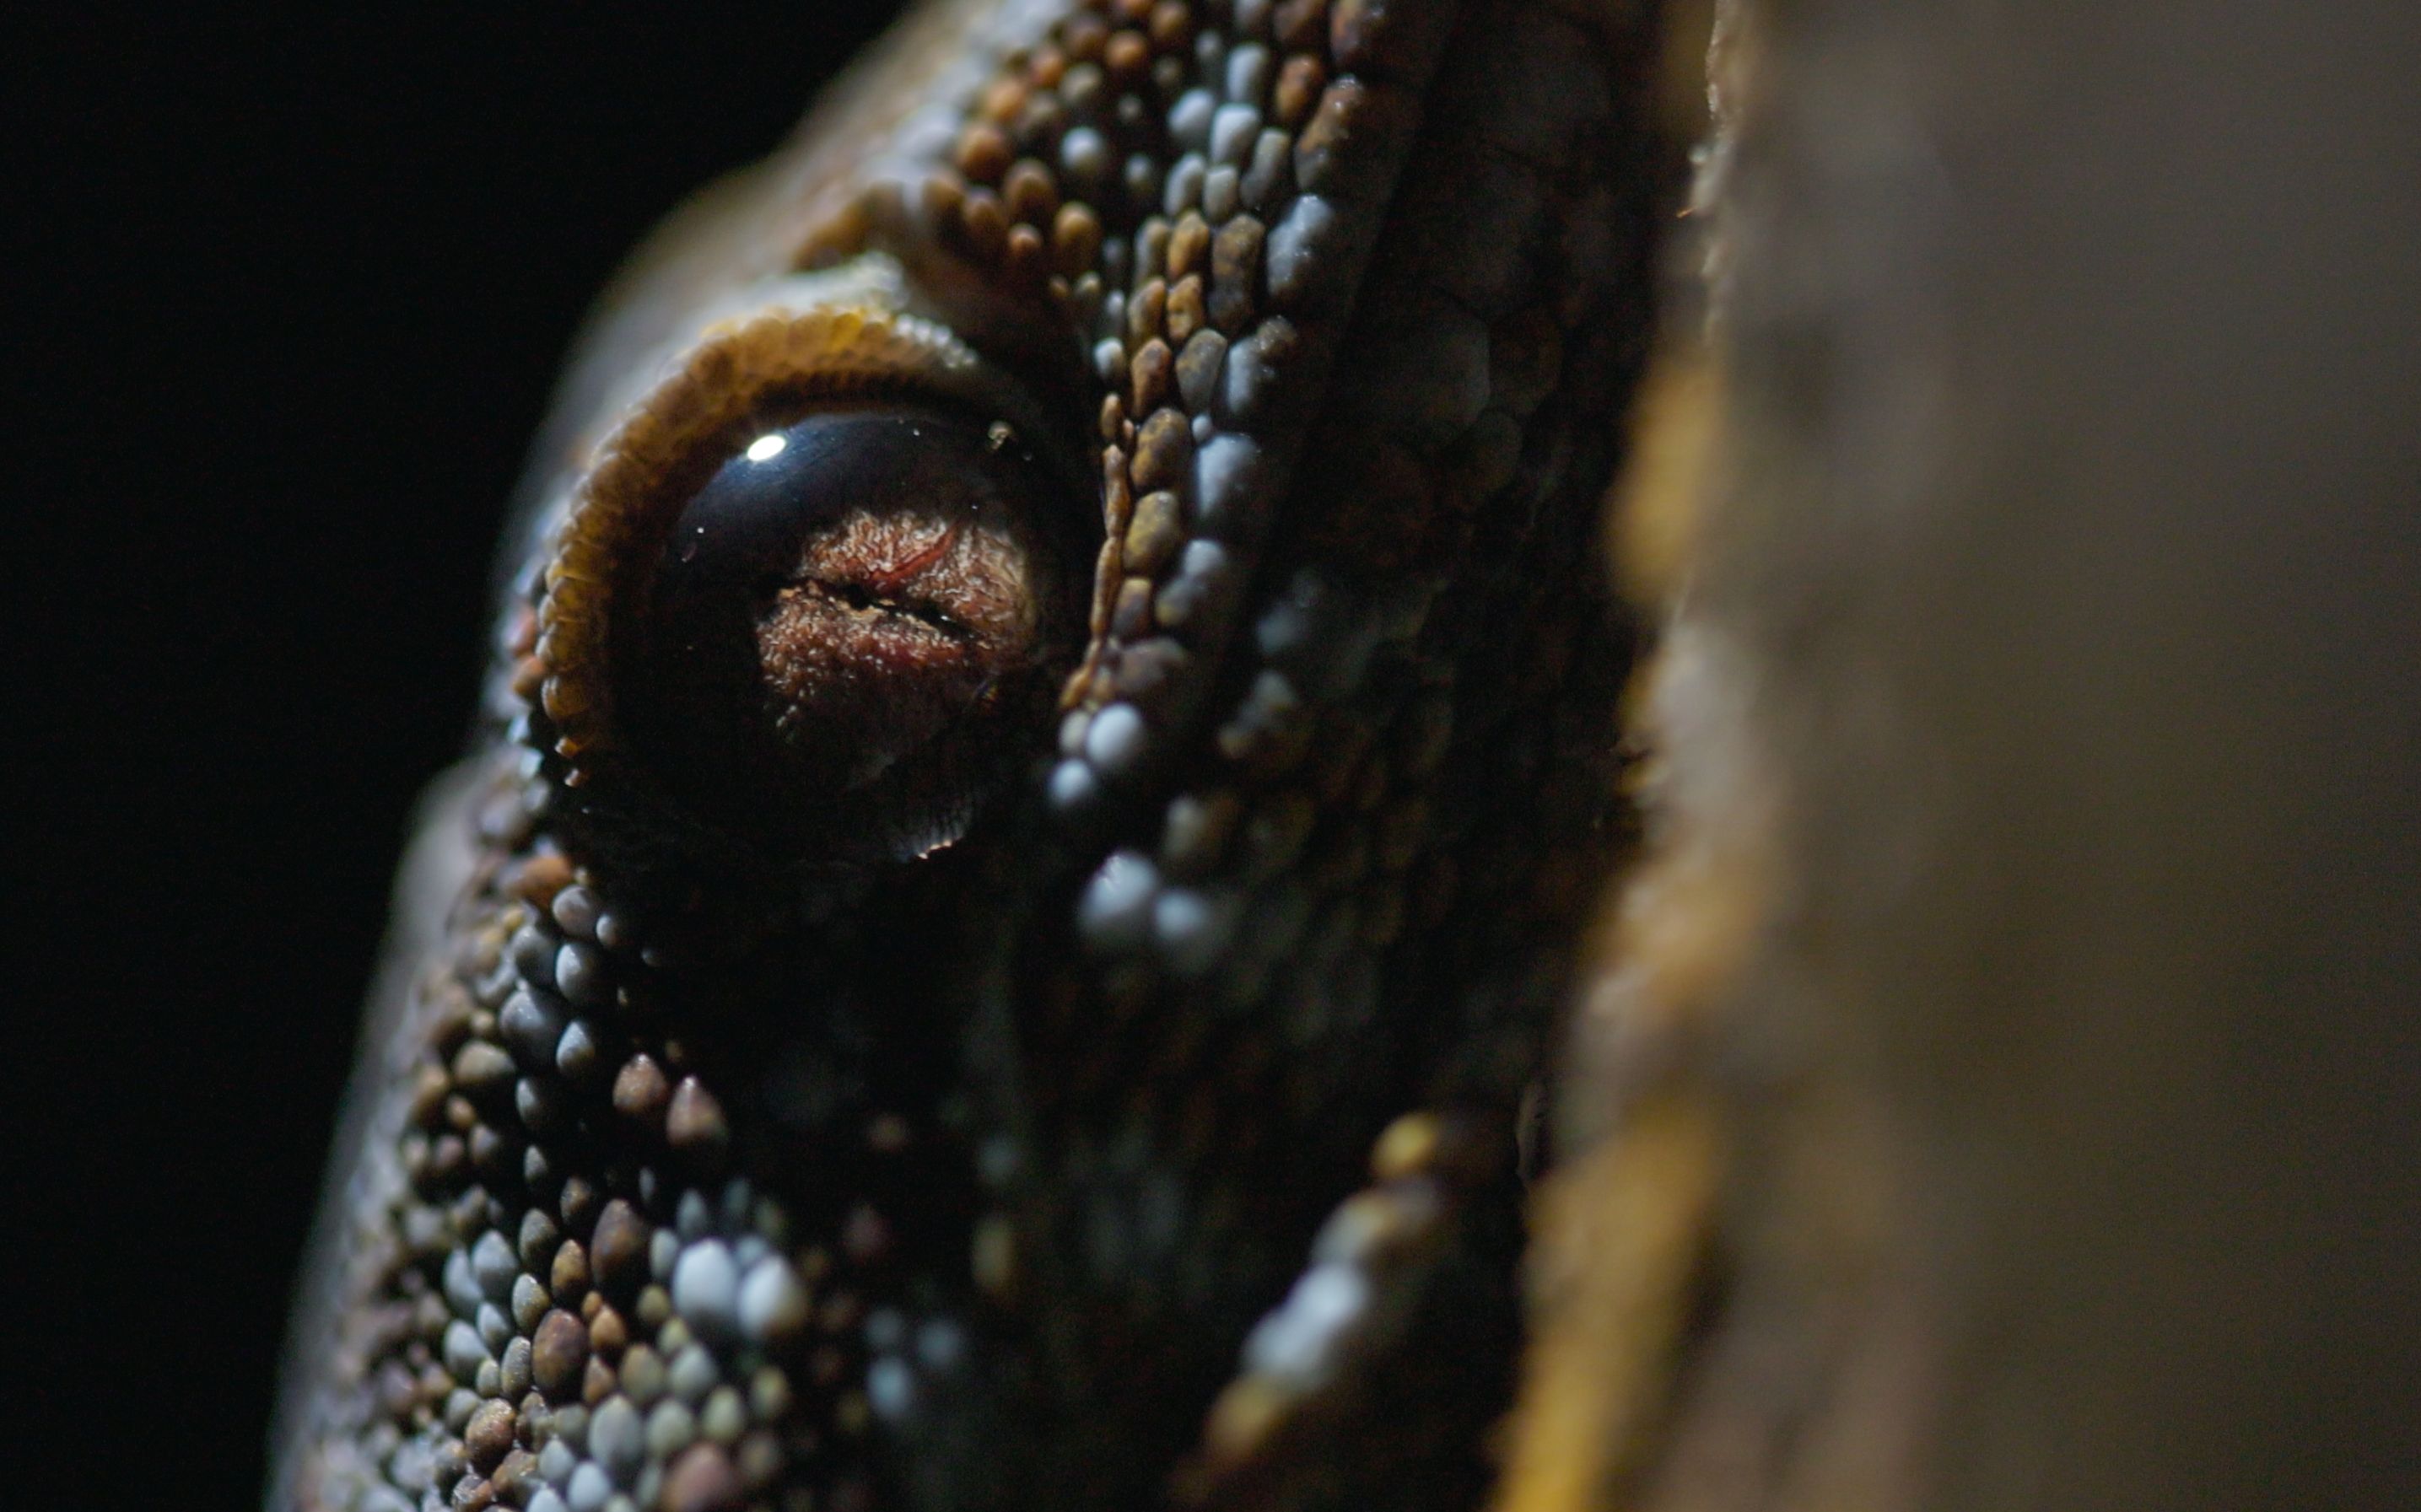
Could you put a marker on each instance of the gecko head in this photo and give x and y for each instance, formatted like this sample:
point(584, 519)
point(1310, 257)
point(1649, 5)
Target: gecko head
point(1029, 746)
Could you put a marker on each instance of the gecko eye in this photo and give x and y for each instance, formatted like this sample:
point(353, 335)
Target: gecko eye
point(846, 629)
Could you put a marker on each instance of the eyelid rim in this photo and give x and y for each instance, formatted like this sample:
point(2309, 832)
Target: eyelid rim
point(843, 334)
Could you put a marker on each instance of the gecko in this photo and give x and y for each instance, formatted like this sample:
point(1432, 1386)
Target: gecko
point(1051, 741)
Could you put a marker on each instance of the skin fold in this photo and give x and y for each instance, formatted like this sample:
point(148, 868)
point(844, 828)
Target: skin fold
point(1027, 981)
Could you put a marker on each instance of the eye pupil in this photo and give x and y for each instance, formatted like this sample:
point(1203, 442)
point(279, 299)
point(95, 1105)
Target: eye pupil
point(849, 625)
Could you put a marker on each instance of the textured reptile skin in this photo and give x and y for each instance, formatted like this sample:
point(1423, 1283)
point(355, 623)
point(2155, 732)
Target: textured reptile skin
point(1141, 1120)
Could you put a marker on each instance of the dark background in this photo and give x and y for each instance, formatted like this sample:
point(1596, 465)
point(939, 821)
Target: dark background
point(288, 297)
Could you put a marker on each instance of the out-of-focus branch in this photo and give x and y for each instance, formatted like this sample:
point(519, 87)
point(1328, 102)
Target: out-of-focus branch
point(2021, 1006)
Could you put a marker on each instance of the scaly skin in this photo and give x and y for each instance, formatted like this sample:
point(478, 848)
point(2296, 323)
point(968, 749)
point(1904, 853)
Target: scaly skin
point(940, 1146)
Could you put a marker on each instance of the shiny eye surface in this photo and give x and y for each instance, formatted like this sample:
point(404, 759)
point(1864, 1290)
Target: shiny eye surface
point(850, 627)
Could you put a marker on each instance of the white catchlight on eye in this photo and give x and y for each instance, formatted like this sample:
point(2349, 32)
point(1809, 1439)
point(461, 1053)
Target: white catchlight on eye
point(766, 447)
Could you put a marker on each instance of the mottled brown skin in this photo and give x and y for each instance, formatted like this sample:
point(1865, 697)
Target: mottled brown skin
point(697, 1162)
